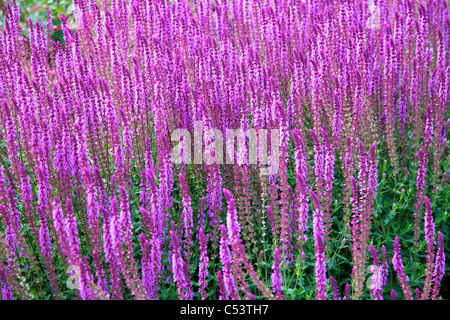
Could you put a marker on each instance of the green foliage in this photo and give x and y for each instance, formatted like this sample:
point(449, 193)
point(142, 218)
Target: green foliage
point(37, 11)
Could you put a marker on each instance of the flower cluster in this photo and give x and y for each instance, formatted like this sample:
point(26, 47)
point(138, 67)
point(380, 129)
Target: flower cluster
point(355, 96)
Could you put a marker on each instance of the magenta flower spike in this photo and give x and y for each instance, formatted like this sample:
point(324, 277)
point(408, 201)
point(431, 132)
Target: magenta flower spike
point(276, 277)
point(320, 264)
point(399, 269)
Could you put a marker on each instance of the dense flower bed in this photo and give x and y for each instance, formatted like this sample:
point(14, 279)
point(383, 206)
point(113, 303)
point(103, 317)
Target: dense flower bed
point(114, 179)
